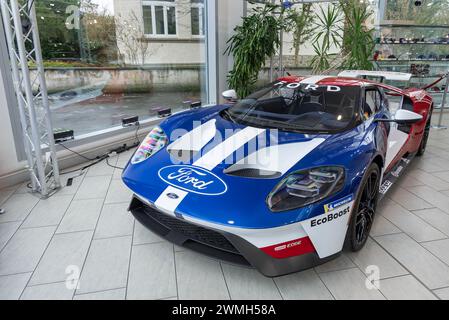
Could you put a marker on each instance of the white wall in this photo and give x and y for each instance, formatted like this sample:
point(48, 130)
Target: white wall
point(8, 159)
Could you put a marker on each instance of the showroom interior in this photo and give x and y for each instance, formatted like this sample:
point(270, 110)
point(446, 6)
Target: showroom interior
point(87, 80)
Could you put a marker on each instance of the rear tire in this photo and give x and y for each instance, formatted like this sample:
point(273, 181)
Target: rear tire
point(362, 217)
point(425, 139)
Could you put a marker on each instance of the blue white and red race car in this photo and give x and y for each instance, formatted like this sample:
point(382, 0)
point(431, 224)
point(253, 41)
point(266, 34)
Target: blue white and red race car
point(284, 179)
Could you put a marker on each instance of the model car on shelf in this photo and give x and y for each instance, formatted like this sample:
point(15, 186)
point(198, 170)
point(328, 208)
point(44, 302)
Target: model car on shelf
point(284, 179)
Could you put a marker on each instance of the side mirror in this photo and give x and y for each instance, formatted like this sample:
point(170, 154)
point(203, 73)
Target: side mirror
point(407, 117)
point(230, 96)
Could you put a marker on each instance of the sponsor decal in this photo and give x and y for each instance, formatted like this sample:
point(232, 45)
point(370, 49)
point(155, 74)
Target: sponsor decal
point(193, 179)
point(331, 217)
point(397, 172)
point(289, 249)
point(339, 203)
point(385, 187)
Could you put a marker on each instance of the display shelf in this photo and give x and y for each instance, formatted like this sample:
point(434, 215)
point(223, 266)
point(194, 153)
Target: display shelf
point(406, 25)
point(414, 44)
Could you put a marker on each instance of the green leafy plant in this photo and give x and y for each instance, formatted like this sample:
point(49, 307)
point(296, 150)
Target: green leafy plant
point(256, 40)
point(300, 24)
point(327, 36)
point(358, 40)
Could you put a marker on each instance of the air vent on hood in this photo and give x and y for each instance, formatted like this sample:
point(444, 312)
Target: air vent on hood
point(254, 173)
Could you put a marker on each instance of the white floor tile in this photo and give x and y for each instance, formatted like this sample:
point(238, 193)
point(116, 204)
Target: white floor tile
point(249, 284)
point(7, 230)
point(407, 199)
point(405, 288)
point(11, 287)
point(118, 193)
point(23, 251)
point(143, 235)
point(54, 291)
point(303, 286)
point(340, 263)
point(435, 217)
point(431, 180)
point(420, 262)
point(382, 226)
point(152, 272)
point(437, 199)
point(443, 294)
point(17, 207)
point(374, 255)
point(439, 249)
point(106, 266)
point(199, 277)
point(48, 212)
point(82, 215)
point(102, 168)
point(115, 221)
point(110, 295)
point(415, 227)
point(93, 188)
point(64, 250)
point(349, 285)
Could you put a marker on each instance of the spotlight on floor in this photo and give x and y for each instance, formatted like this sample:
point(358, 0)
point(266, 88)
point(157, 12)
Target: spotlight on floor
point(130, 121)
point(196, 105)
point(164, 113)
point(63, 135)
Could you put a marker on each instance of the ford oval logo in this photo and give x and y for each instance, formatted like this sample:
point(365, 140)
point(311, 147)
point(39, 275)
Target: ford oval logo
point(193, 179)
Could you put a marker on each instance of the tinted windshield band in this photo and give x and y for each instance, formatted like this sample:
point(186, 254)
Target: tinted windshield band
point(300, 107)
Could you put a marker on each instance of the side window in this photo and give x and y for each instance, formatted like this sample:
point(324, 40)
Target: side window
point(373, 102)
point(407, 104)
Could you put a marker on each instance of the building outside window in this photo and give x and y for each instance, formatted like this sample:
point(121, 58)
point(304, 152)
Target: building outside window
point(107, 60)
point(198, 23)
point(159, 18)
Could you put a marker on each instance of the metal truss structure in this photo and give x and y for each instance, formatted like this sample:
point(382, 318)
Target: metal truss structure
point(20, 24)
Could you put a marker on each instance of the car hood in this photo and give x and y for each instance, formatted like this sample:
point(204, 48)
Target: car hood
point(224, 171)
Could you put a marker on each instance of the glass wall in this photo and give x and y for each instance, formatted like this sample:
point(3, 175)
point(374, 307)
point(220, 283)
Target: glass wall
point(109, 59)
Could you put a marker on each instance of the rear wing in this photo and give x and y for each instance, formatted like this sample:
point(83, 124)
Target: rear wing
point(387, 75)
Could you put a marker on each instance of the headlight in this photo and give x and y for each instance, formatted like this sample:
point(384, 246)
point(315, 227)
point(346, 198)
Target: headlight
point(306, 187)
point(155, 141)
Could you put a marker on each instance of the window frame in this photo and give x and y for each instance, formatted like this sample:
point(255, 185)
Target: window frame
point(202, 20)
point(378, 107)
point(153, 4)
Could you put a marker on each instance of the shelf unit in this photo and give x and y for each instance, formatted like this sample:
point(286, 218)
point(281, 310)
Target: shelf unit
point(425, 71)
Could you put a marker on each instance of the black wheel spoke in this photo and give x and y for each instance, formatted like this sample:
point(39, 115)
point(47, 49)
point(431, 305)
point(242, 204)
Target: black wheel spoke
point(366, 209)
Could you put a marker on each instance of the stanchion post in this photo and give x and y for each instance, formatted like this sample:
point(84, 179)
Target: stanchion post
point(443, 104)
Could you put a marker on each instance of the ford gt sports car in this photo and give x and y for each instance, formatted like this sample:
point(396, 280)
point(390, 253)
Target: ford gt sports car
point(284, 179)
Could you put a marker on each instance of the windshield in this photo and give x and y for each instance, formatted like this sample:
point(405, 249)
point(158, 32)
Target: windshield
point(299, 107)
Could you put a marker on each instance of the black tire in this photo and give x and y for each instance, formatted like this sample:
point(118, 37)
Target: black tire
point(362, 217)
point(425, 139)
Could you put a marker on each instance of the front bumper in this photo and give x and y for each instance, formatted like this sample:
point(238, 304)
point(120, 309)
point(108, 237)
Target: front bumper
point(218, 243)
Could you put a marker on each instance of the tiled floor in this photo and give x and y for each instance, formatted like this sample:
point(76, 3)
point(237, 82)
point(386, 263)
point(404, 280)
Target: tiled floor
point(84, 232)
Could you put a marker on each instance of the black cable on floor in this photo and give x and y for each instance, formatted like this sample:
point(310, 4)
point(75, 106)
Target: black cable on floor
point(78, 154)
point(112, 166)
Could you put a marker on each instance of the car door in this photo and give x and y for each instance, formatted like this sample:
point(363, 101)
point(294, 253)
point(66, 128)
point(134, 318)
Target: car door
point(397, 138)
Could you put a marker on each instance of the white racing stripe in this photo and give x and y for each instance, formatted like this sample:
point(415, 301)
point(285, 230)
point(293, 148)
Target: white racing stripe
point(196, 139)
point(214, 157)
point(278, 158)
point(167, 204)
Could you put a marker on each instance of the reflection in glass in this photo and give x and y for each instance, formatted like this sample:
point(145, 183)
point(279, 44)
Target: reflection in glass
point(129, 58)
